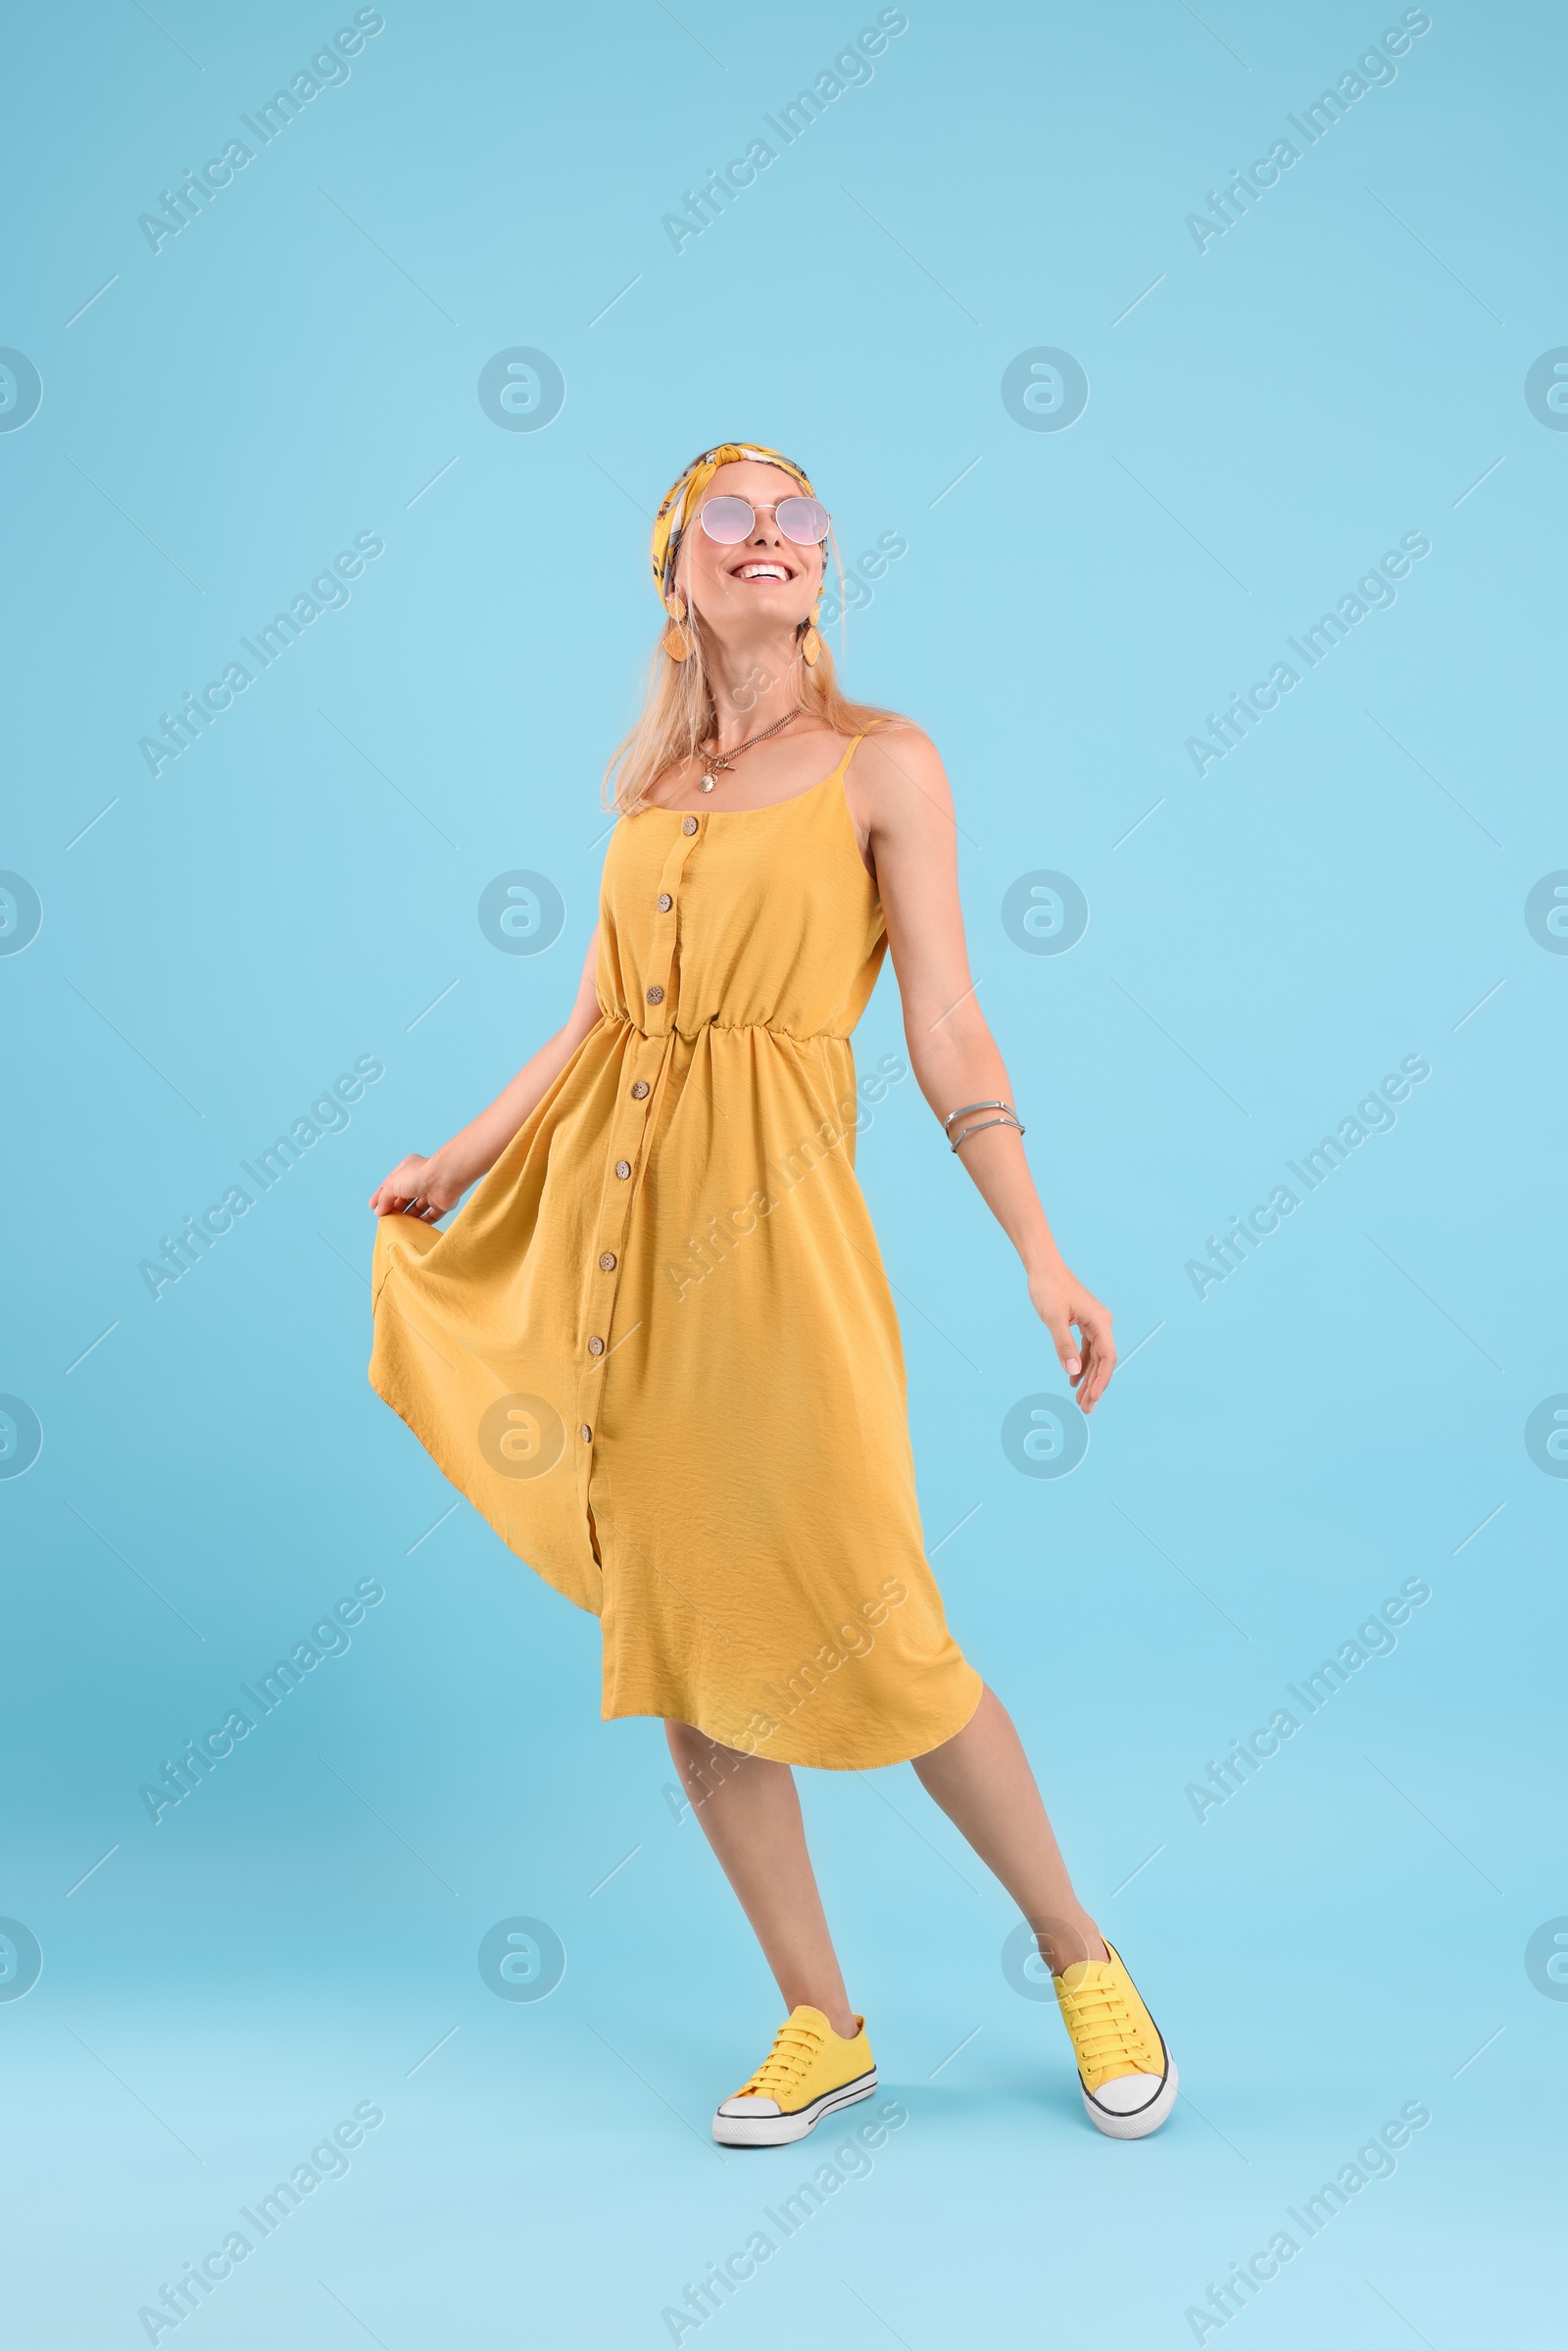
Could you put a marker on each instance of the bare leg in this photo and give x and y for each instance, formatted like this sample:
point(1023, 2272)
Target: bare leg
point(751, 1813)
point(982, 1781)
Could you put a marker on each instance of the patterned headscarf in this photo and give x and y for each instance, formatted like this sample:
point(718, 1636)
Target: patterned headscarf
point(680, 504)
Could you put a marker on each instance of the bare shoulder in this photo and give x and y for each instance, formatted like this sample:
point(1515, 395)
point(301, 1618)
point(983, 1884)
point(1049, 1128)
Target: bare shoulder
point(900, 777)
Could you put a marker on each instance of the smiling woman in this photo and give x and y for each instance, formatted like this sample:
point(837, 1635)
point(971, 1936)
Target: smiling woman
point(723, 578)
point(738, 1483)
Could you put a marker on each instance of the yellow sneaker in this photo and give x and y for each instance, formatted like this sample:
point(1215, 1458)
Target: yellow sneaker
point(808, 2072)
point(1127, 2073)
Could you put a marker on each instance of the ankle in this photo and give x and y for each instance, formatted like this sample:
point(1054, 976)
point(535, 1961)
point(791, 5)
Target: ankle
point(836, 2009)
point(1064, 1942)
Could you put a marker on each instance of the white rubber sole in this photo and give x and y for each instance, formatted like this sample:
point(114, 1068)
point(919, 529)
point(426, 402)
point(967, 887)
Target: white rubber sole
point(782, 2129)
point(1148, 2117)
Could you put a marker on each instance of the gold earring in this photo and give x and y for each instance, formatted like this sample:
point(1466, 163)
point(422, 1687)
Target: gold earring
point(676, 641)
point(810, 644)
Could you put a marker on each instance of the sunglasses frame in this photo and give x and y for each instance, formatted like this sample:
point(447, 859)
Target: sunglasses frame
point(803, 497)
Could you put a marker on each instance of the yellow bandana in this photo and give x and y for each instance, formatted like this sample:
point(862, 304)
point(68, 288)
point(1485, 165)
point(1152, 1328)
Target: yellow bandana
point(680, 504)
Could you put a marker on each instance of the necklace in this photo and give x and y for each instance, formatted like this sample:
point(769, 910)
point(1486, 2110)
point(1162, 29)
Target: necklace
point(714, 765)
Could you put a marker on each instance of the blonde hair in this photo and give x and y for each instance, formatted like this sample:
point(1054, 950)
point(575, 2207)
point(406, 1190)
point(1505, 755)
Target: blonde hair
point(679, 714)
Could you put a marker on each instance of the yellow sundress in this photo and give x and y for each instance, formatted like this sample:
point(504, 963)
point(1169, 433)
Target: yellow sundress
point(657, 1348)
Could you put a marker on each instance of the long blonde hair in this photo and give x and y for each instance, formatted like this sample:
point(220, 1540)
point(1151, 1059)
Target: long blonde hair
point(679, 713)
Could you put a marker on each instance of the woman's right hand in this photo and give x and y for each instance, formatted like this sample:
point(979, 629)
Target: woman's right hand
point(416, 1186)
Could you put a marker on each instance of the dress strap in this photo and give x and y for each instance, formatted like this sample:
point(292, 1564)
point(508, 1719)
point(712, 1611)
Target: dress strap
point(843, 767)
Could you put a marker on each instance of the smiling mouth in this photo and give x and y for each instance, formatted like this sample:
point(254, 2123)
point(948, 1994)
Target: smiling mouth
point(757, 572)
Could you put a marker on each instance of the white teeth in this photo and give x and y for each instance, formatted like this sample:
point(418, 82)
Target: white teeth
point(762, 572)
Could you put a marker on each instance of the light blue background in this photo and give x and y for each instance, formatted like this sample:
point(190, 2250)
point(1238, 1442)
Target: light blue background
point(297, 888)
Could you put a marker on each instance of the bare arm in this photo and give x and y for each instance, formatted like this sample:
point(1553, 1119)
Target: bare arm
point(904, 804)
point(439, 1182)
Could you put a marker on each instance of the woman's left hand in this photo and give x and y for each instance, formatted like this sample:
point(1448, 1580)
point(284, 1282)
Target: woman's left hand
point(1061, 1301)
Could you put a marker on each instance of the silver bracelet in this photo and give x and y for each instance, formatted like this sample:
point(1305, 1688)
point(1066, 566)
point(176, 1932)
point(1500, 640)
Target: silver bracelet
point(1010, 1118)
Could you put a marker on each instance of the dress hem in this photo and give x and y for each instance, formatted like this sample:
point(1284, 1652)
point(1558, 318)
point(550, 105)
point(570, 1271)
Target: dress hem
point(902, 1752)
point(434, 1445)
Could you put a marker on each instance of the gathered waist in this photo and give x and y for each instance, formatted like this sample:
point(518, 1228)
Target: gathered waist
point(771, 1028)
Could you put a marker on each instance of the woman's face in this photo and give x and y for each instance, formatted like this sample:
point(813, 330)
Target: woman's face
point(763, 587)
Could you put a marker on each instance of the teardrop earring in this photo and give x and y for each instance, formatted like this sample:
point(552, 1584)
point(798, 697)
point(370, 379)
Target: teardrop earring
point(810, 644)
point(676, 641)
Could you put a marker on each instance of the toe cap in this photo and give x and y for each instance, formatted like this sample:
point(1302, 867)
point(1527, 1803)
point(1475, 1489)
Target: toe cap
point(749, 2106)
point(1129, 2093)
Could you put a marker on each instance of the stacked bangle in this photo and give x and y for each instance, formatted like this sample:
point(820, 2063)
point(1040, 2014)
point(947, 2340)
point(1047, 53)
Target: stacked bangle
point(1008, 1119)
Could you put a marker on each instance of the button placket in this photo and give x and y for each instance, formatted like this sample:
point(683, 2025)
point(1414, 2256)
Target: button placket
point(659, 1010)
point(641, 1072)
point(603, 1293)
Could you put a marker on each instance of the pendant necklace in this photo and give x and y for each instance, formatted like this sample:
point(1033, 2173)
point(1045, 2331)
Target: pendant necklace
point(714, 765)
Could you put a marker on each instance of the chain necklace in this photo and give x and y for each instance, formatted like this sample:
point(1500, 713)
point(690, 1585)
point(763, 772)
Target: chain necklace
point(714, 765)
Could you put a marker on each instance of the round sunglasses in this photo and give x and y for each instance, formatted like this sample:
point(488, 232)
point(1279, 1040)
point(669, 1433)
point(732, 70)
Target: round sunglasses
point(804, 521)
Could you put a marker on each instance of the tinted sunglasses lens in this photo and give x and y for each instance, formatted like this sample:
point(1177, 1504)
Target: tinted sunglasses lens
point(729, 520)
point(802, 520)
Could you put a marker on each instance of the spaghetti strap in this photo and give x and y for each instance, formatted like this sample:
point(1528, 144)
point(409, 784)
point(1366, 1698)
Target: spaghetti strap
point(842, 771)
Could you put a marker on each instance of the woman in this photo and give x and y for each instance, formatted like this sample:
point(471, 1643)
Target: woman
point(658, 1349)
